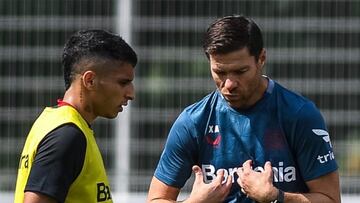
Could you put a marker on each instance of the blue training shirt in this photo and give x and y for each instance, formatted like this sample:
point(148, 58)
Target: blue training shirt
point(283, 127)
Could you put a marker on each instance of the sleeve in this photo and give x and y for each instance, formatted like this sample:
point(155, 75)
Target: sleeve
point(314, 152)
point(180, 153)
point(58, 162)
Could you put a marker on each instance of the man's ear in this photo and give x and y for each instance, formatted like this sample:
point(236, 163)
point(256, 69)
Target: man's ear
point(262, 57)
point(88, 79)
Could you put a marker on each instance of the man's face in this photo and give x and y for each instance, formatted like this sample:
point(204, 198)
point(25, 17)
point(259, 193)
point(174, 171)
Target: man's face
point(238, 76)
point(113, 90)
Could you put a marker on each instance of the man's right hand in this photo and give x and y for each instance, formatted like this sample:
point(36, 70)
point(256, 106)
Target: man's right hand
point(214, 192)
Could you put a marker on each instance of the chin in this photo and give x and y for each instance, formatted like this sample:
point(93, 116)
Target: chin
point(115, 115)
point(110, 116)
point(236, 105)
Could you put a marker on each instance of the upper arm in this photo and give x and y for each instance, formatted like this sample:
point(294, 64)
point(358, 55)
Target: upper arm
point(179, 155)
point(312, 145)
point(327, 185)
point(58, 162)
point(32, 197)
point(160, 192)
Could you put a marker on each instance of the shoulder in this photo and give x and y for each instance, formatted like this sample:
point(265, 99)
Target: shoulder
point(201, 109)
point(193, 118)
point(62, 151)
point(65, 140)
point(67, 135)
point(291, 101)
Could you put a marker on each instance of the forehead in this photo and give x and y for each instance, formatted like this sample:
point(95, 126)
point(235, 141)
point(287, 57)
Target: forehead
point(120, 70)
point(241, 56)
point(112, 68)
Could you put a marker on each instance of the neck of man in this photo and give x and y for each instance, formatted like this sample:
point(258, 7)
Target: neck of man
point(77, 98)
point(263, 84)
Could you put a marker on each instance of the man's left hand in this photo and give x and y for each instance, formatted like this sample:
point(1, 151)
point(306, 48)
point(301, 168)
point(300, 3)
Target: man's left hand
point(257, 185)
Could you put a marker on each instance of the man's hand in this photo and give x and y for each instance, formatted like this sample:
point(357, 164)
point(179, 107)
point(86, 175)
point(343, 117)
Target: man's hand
point(257, 185)
point(216, 191)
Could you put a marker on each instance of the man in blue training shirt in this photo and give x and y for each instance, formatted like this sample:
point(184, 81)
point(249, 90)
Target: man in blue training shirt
point(251, 140)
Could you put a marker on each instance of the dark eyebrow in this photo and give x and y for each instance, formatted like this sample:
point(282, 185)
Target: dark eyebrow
point(125, 80)
point(217, 69)
point(220, 68)
point(244, 67)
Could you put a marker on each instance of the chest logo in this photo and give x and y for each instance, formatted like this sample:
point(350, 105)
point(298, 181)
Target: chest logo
point(213, 129)
point(213, 142)
point(103, 192)
point(281, 173)
point(213, 137)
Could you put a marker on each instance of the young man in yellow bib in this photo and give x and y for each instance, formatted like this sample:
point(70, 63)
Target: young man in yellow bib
point(61, 161)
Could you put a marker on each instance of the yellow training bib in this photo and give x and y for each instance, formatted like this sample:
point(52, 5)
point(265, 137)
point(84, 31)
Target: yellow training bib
point(92, 184)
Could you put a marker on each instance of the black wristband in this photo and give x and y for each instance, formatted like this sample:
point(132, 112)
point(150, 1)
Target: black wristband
point(280, 197)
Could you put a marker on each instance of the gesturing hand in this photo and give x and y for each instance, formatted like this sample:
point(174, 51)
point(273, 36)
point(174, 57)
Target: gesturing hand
point(216, 191)
point(257, 185)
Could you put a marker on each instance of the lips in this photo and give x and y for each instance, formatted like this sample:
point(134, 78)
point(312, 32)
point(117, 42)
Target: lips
point(121, 106)
point(231, 96)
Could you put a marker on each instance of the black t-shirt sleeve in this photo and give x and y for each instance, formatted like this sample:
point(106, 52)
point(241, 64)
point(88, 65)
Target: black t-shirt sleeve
point(58, 162)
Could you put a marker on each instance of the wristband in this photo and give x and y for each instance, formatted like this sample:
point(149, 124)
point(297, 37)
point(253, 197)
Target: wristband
point(280, 197)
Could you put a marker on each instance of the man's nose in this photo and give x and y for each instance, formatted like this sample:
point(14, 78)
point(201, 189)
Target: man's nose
point(130, 94)
point(230, 84)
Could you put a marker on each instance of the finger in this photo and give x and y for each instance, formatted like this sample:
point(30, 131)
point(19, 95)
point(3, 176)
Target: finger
point(219, 176)
point(247, 165)
point(198, 174)
point(268, 169)
point(243, 191)
point(267, 166)
point(239, 172)
point(228, 185)
point(229, 181)
point(240, 183)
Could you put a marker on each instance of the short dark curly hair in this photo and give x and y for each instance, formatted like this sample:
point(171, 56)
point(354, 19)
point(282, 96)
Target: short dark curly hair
point(88, 44)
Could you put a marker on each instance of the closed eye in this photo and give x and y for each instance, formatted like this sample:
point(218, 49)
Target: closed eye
point(219, 72)
point(124, 82)
point(241, 71)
